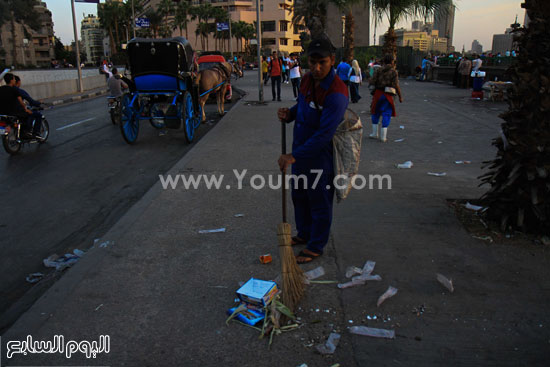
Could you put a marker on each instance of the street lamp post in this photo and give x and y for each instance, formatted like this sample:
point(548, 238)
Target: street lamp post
point(259, 47)
point(80, 85)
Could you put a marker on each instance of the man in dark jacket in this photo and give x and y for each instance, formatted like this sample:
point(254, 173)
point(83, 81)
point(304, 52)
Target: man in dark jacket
point(11, 102)
point(322, 102)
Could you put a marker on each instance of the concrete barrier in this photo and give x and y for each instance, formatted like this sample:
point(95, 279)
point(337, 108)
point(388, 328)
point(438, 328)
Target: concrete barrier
point(60, 88)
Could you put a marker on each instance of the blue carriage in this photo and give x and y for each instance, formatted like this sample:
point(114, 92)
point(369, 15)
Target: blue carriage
point(162, 88)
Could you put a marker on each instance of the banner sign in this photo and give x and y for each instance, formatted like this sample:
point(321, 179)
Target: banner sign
point(142, 22)
point(222, 26)
point(87, 1)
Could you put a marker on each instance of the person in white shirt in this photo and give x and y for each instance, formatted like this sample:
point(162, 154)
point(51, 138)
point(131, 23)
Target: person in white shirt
point(476, 64)
point(295, 74)
point(355, 80)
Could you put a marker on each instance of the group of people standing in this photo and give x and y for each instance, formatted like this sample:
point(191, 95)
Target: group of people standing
point(463, 69)
point(279, 70)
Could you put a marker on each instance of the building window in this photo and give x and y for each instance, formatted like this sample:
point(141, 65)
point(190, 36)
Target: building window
point(268, 41)
point(283, 41)
point(262, 7)
point(283, 26)
point(298, 28)
point(297, 43)
point(268, 26)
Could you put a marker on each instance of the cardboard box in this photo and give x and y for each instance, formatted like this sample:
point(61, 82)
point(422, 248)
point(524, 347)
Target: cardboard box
point(257, 292)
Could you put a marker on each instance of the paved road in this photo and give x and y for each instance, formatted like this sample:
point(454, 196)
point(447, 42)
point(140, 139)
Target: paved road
point(64, 194)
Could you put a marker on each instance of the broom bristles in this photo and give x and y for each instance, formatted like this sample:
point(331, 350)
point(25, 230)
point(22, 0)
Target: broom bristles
point(293, 275)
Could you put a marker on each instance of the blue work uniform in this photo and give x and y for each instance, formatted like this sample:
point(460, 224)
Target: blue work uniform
point(343, 71)
point(312, 148)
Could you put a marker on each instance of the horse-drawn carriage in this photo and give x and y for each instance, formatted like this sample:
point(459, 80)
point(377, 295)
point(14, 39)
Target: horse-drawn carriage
point(162, 89)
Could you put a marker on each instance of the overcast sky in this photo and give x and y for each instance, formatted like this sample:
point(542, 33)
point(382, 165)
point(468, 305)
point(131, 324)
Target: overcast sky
point(474, 19)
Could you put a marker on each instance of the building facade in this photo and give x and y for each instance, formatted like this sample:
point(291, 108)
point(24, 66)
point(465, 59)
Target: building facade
point(477, 48)
point(278, 34)
point(502, 42)
point(91, 35)
point(444, 21)
point(32, 47)
point(421, 40)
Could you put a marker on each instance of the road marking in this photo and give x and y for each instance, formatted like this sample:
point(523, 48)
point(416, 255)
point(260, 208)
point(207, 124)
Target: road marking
point(74, 124)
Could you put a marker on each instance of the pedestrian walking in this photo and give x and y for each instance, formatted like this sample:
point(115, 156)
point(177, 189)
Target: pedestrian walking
point(386, 84)
point(464, 69)
point(286, 62)
point(275, 70)
point(321, 105)
point(343, 71)
point(355, 80)
point(265, 70)
point(295, 75)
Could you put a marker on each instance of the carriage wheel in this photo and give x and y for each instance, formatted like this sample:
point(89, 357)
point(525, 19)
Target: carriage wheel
point(188, 117)
point(129, 123)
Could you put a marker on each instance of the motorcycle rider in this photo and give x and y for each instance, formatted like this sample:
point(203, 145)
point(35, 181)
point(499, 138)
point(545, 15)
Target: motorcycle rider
point(36, 116)
point(115, 84)
point(11, 102)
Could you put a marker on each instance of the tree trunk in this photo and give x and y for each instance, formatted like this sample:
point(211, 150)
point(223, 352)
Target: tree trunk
point(186, 34)
point(14, 44)
point(519, 197)
point(390, 47)
point(117, 35)
point(112, 41)
point(349, 36)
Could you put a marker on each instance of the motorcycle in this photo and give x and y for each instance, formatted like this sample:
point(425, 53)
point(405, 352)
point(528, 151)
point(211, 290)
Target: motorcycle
point(115, 109)
point(13, 136)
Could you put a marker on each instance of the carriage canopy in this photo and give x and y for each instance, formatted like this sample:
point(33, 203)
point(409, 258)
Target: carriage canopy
point(164, 56)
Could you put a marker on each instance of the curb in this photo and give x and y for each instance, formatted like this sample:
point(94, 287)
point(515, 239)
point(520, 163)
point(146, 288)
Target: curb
point(78, 98)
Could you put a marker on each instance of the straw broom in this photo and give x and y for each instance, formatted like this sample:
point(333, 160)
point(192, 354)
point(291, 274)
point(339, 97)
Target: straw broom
point(293, 275)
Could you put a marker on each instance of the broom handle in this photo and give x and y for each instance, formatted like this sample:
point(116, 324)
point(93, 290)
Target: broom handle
point(283, 146)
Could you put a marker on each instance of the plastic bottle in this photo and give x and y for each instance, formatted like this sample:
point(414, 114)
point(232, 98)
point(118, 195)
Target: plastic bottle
point(374, 332)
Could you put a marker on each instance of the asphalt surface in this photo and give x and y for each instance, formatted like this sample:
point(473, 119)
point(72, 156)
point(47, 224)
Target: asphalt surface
point(162, 290)
point(62, 195)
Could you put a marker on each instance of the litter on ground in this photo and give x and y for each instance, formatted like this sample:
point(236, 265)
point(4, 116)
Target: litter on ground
point(442, 174)
point(315, 273)
point(463, 162)
point(407, 164)
point(447, 283)
point(217, 230)
point(374, 332)
point(390, 292)
point(473, 207)
point(399, 140)
point(239, 215)
point(34, 277)
point(330, 345)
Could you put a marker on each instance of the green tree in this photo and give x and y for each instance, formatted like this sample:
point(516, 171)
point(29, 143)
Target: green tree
point(110, 16)
point(397, 10)
point(165, 9)
point(22, 12)
point(519, 197)
point(219, 15)
point(156, 20)
point(202, 13)
point(312, 13)
point(181, 17)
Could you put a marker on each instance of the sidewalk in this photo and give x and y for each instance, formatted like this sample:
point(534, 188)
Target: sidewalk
point(161, 290)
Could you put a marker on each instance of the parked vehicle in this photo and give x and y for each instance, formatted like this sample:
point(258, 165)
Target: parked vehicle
point(13, 136)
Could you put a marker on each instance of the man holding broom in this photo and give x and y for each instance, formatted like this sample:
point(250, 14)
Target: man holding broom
point(322, 102)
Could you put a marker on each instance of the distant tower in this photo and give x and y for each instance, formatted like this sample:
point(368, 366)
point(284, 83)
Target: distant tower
point(444, 20)
point(477, 48)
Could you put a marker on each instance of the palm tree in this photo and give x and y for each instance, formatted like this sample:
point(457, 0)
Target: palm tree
point(346, 6)
point(312, 13)
point(219, 15)
point(165, 9)
point(181, 17)
point(19, 11)
point(202, 13)
point(156, 20)
point(111, 15)
point(520, 179)
point(397, 10)
point(248, 32)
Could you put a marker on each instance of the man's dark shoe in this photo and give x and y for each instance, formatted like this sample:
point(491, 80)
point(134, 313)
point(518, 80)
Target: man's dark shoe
point(278, 99)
